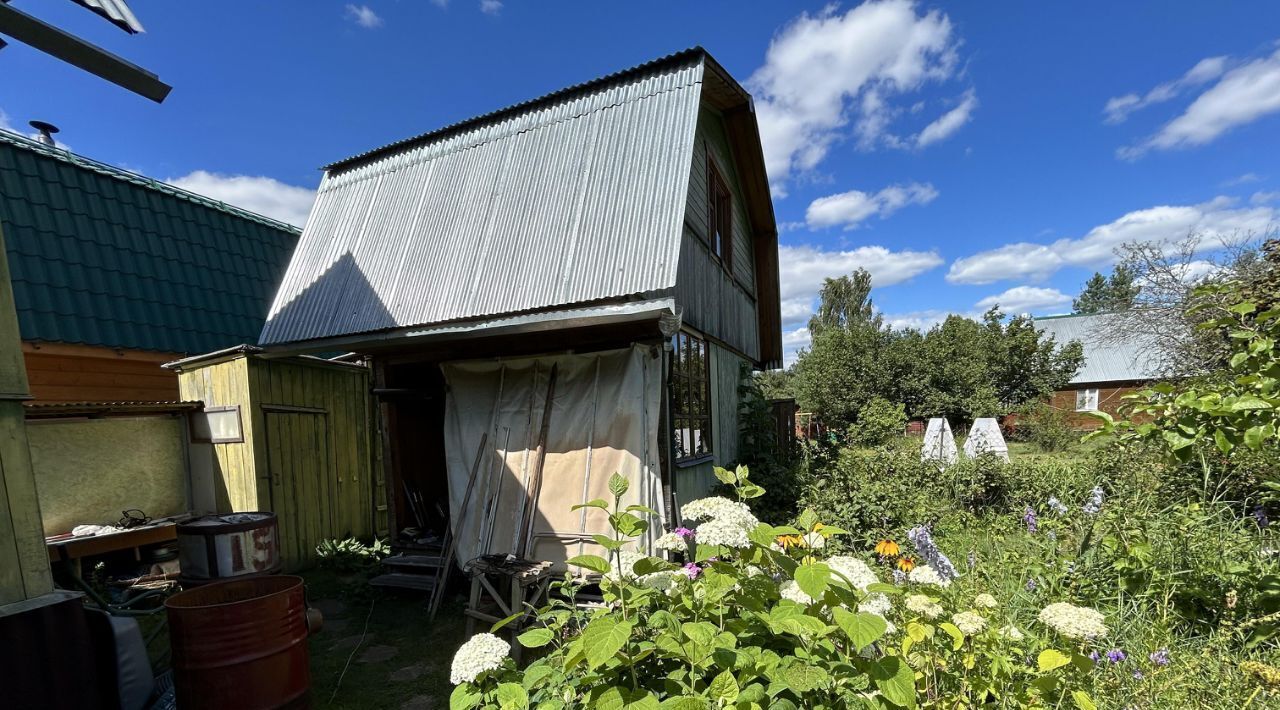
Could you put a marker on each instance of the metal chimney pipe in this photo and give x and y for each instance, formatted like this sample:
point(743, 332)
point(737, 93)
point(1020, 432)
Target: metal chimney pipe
point(46, 132)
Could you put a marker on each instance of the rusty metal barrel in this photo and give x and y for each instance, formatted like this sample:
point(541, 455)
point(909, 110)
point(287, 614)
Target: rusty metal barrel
point(241, 644)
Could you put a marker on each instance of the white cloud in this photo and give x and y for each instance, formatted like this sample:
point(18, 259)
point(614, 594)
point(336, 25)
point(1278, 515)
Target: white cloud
point(825, 71)
point(949, 122)
point(792, 342)
point(918, 320)
point(264, 195)
point(1206, 70)
point(364, 16)
point(1162, 224)
point(1244, 179)
point(1262, 198)
point(847, 209)
point(491, 7)
point(1243, 95)
point(803, 268)
point(1023, 299)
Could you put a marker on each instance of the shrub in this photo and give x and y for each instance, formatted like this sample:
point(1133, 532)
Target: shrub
point(756, 617)
point(879, 421)
point(1047, 427)
point(351, 555)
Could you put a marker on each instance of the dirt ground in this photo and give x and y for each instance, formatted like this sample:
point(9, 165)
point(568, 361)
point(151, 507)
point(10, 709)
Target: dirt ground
point(401, 660)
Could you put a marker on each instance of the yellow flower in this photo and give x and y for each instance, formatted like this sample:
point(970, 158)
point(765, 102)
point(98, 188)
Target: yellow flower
point(906, 564)
point(887, 548)
point(789, 541)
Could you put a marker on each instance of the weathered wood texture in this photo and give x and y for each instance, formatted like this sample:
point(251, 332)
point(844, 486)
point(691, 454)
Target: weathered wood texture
point(308, 449)
point(714, 301)
point(24, 562)
point(696, 481)
point(84, 373)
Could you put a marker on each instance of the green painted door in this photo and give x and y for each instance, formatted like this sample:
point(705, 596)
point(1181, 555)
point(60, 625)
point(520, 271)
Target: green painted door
point(303, 483)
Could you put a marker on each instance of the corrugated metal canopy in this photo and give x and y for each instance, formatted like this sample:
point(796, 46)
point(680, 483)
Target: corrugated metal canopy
point(117, 11)
point(575, 198)
point(1105, 359)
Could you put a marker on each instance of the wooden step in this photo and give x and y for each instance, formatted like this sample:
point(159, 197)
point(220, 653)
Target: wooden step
point(423, 563)
point(421, 582)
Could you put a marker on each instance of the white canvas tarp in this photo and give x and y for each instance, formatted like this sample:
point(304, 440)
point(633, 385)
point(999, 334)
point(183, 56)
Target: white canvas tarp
point(985, 438)
point(939, 444)
point(604, 419)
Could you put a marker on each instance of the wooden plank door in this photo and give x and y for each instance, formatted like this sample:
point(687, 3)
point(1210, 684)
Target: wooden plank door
point(303, 484)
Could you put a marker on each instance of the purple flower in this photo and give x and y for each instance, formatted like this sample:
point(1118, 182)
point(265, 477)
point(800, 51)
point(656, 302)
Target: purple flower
point(1116, 655)
point(1160, 657)
point(692, 569)
point(929, 552)
point(1029, 518)
point(685, 533)
point(1094, 504)
point(1137, 675)
point(1260, 514)
point(1056, 505)
point(1031, 584)
point(1093, 656)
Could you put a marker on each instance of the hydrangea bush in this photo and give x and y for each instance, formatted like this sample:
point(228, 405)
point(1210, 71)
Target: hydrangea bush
point(745, 614)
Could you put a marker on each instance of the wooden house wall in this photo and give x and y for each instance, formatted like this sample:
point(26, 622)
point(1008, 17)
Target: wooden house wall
point(83, 373)
point(235, 475)
point(715, 301)
point(696, 481)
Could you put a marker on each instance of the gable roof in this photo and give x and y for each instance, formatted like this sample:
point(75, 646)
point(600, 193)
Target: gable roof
point(102, 256)
point(1105, 359)
point(572, 199)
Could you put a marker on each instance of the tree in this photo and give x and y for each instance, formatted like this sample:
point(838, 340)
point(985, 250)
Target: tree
point(776, 384)
point(845, 301)
point(840, 372)
point(1105, 294)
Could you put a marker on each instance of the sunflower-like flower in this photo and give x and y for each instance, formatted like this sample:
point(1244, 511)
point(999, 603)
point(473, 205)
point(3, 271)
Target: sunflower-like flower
point(906, 564)
point(887, 548)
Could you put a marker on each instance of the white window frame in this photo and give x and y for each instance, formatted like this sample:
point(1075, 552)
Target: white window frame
point(1087, 399)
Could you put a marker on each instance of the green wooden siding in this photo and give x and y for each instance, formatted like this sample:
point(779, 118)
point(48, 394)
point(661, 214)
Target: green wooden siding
point(308, 448)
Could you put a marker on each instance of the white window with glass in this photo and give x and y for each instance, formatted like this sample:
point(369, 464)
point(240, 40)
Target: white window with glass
point(1087, 400)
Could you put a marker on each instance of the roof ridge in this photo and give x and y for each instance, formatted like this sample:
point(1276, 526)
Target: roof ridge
point(458, 126)
point(75, 159)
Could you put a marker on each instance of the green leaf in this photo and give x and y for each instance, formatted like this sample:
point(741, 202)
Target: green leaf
point(1049, 659)
point(608, 543)
point(1244, 308)
point(957, 636)
point(595, 563)
point(684, 702)
point(1249, 402)
point(535, 674)
point(803, 678)
point(1254, 436)
point(896, 681)
point(763, 535)
point(724, 687)
point(618, 698)
point(750, 490)
point(701, 632)
point(725, 476)
point(600, 503)
point(512, 696)
point(641, 509)
point(464, 697)
point(629, 525)
point(649, 565)
point(807, 520)
point(503, 622)
point(813, 578)
point(603, 638)
point(536, 638)
point(1082, 700)
point(862, 628)
point(618, 485)
point(1224, 444)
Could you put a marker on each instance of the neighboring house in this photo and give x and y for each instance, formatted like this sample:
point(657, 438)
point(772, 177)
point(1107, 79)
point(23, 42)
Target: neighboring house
point(1111, 368)
point(550, 293)
point(115, 273)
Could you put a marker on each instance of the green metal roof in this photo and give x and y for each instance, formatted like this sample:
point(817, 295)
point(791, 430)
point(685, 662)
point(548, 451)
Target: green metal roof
point(103, 256)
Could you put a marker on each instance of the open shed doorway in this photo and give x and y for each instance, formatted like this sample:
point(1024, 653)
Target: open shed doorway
point(412, 398)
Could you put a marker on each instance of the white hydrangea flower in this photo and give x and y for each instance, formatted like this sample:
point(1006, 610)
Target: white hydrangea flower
point(859, 574)
point(985, 601)
point(666, 582)
point(924, 606)
point(969, 622)
point(714, 507)
point(1074, 622)
point(1012, 633)
point(484, 652)
point(624, 565)
point(671, 542)
point(790, 590)
point(719, 531)
point(877, 604)
point(924, 574)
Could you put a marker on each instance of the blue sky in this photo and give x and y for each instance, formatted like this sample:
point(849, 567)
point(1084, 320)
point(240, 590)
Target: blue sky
point(965, 153)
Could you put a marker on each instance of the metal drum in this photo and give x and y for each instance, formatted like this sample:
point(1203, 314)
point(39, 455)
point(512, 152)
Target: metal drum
point(241, 644)
point(227, 545)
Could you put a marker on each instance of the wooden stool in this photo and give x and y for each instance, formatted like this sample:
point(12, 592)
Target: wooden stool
point(526, 585)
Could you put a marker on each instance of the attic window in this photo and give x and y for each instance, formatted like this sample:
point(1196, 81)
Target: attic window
point(719, 215)
point(690, 397)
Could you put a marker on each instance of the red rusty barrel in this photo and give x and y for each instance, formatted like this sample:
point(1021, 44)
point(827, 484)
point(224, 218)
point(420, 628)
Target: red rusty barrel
point(240, 644)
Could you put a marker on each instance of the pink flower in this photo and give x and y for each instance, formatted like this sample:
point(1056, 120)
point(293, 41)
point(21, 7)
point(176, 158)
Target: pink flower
point(685, 533)
point(692, 569)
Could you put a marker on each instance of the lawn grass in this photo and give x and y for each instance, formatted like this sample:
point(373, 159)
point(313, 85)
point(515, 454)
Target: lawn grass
point(403, 659)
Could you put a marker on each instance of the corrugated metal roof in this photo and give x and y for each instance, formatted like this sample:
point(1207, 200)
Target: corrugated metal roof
point(117, 11)
point(576, 198)
point(1105, 360)
point(102, 256)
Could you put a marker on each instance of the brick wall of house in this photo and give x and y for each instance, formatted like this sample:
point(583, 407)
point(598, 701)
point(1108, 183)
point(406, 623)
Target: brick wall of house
point(1110, 397)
